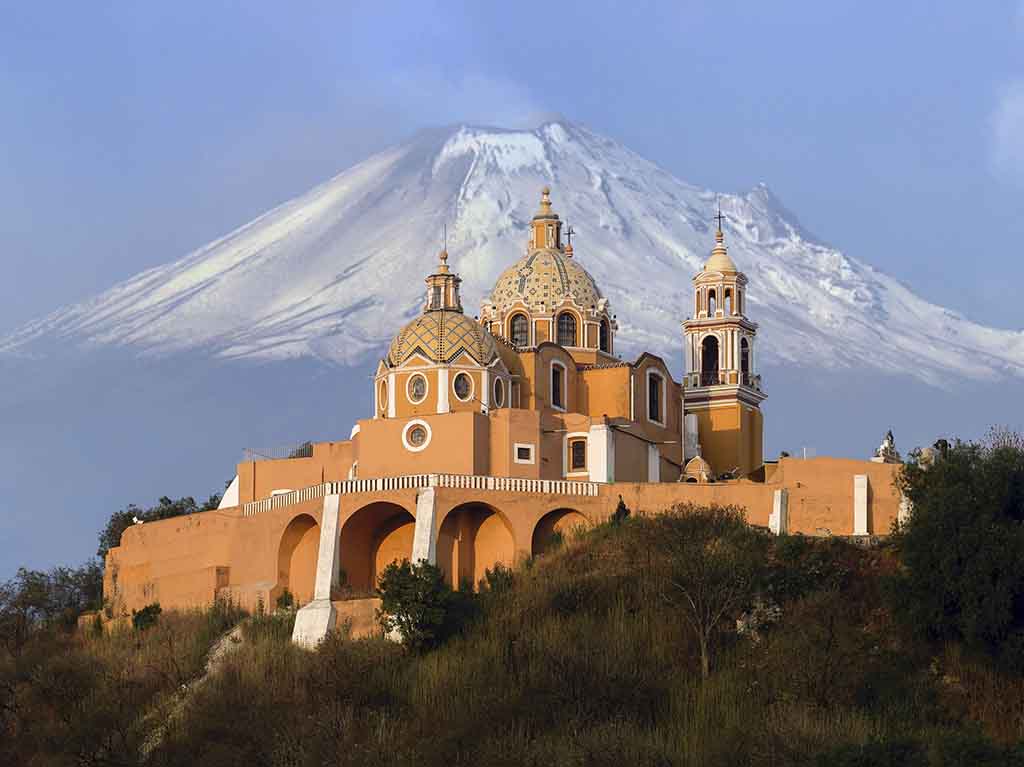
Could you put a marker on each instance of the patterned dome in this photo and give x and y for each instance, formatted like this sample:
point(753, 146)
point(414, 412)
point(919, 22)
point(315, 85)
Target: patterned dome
point(441, 336)
point(548, 276)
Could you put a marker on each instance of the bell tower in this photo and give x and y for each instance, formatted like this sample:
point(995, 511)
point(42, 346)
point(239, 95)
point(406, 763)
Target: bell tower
point(723, 391)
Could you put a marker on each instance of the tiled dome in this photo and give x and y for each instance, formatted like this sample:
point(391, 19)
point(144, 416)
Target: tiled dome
point(548, 276)
point(441, 336)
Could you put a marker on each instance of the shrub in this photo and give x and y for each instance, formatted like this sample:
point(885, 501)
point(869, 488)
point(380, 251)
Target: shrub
point(146, 617)
point(285, 601)
point(963, 547)
point(418, 604)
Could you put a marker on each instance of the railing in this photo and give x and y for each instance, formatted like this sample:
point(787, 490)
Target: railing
point(710, 378)
point(419, 481)
point(301, 450)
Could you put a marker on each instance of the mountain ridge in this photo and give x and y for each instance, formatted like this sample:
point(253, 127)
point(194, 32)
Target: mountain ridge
point(334, 272)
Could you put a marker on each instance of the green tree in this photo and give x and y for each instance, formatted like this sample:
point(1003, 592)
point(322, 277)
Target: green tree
point(418, 604)
point(963, 547)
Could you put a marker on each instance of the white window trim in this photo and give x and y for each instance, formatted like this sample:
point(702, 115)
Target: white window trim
point(652, 373)
point(565, 385)
point(408, 389)
point(578, 343)
point(530, 446)
point(472, 386)
point(567, 470)
point(405, 435)
point(529, 325)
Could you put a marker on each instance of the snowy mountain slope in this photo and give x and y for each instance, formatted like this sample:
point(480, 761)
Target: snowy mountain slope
point(333, 273)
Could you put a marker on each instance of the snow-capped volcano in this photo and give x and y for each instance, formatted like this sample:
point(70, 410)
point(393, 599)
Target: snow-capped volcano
point(335, 272)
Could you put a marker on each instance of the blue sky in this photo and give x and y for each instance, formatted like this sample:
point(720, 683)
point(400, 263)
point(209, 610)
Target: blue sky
point(134, 132)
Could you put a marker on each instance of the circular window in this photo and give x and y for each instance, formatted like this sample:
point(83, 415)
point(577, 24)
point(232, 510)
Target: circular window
point(416, 436)
point(383, 398)
point(463, 386)
point(499, 393)
point(417, 388)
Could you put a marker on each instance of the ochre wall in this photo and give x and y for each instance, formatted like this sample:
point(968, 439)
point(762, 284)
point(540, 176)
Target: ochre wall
point(186, 561)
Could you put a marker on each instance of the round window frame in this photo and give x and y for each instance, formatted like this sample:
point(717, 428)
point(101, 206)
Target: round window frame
point(472, 386)
point(499, 386)
point(408, 428)
point(408, 389)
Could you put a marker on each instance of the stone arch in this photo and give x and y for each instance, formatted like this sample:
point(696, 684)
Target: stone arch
point(296, 559)
point(472, 538)
point(560, 521)
point(372, 538)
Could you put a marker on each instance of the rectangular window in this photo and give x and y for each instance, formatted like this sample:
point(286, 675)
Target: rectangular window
point(557, 372)
point(578, 454)
point(654, 398)
point(522, 453)
point(435, 300)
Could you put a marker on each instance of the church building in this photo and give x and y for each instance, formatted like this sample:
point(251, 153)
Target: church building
point(488, 436)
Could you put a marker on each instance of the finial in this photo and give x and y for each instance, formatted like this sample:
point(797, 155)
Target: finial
point(718, 236)
point(545, 199)
point(443, 255)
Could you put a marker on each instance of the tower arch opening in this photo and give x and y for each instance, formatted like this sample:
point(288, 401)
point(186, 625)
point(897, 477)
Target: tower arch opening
point(604, 337)
point(745, 360)
point(709, 361)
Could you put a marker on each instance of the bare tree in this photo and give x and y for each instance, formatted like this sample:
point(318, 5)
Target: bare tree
point(711, 568)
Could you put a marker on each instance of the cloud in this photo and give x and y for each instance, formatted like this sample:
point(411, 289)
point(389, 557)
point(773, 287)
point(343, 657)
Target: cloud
point(1008, 130)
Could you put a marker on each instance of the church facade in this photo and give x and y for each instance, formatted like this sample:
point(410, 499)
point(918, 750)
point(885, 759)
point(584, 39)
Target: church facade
point(488, 437)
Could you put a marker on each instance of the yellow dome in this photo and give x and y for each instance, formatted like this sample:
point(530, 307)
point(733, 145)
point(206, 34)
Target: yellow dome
point(545, 276)
point(441, 336)
point(720, 261)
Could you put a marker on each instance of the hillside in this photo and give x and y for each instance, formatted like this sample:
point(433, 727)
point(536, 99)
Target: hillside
point(585, 657)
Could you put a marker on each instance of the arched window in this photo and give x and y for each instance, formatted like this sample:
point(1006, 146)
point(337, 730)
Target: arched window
point(558, 385)
point(728, 302)
point(709, 361)
point(520, 328)
point(604, 340)
point(435, 297)
point(655, 384)
point(711, 303)
point(567, 329)
point(745, 361)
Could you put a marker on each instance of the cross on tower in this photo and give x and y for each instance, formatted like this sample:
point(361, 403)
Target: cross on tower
point(719, 216)
point(569, 232)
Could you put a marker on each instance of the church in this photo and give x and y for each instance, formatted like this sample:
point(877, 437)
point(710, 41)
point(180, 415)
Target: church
point(491, 436)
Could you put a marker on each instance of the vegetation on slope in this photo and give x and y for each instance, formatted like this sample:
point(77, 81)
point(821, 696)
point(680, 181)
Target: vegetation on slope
point(817, 652)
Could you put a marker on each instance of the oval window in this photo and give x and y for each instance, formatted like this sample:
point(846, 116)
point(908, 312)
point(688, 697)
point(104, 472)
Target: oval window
point(383, 398)
point(417, 388)
point(463, 386)
point(499, 393)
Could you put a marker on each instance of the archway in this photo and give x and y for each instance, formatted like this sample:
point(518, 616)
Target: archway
point(709, 361)
point(296, 559)
point(554, 523)
point(473, 538)
point(371, 539)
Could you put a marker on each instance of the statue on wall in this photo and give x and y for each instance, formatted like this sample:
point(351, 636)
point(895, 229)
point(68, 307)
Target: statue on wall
point(886, 452)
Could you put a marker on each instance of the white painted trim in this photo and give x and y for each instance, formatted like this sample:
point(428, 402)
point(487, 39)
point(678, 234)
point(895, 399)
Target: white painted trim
point(515, 452)
point(230, 497)
point(442, 391)
point(653, 463)
point(778, 521)
point(354, 432)
point(391, 395)
point(408, 388)
point(601, 453)
point(405, 435)
point(565, 386)
point(472, 386)
point(424, 536)
point(860, 504)
point(281, 491)
point(566, 464)
point(485, 390)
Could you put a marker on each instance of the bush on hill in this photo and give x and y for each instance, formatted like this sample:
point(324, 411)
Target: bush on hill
point(963, 548)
